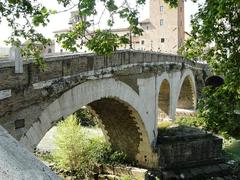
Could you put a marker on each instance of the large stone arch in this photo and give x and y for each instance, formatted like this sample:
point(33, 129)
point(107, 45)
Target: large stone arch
point(98, 93)
point(187, 93)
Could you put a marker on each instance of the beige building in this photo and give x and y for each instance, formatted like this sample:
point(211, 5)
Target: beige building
point(163, 30)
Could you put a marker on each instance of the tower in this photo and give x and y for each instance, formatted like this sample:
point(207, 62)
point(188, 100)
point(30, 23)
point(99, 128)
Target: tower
point(165, 30)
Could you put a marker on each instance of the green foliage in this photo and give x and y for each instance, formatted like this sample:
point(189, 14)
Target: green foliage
point(194, 121)
point(48, 157)
point(216, 29)
point(85, 117)
point(215, 39)
point(164, 124)
point(102, 153)
point(217, 108)
point(76, 153)
point(105, 42)
point(24, 16)
point(71, 147)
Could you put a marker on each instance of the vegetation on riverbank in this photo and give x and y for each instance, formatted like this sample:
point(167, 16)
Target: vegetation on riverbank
point(77, 153)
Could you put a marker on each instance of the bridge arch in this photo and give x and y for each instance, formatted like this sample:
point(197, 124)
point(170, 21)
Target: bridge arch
point(187, 93)
point(164, 100)
point(129, 133)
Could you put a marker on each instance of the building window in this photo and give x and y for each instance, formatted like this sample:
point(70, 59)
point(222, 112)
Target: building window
point(180, 9)
point(147, 27)
point(142, 42)
point(161, 8)
point(162, 40)
point(161, 22)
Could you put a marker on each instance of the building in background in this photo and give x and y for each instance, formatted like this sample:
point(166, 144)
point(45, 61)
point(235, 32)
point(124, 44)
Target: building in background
point(163, 30)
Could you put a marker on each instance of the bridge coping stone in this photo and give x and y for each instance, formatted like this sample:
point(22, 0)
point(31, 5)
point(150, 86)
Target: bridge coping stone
point(131, 55)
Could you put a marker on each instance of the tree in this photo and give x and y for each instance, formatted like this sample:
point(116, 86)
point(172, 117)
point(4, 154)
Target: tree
point(215, 38)
point(24, 16)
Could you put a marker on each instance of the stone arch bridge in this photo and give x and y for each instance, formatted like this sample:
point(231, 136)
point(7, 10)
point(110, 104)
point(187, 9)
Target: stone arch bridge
point(129, 91)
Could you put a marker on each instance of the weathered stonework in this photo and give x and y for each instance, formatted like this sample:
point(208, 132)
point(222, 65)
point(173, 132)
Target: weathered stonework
point(131, 79)
point(181, 147)
point(18, 163)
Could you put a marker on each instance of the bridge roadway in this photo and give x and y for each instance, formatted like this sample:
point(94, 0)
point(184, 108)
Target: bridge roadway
point(129, 92)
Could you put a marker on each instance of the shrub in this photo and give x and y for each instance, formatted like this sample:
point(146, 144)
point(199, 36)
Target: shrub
point(71, 151)
point(190, 121)
point(218, 106)
point(85, 117)
point(77, 153)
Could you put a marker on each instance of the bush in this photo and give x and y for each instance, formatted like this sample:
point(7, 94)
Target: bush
point(102, 153)
point(190, 121)
point(71, 150)
point(217, 107)
point(76, 153)
point(85, 117)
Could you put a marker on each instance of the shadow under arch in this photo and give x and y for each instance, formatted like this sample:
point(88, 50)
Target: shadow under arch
point(187, 94)
point(119, 108)
point(164, 100)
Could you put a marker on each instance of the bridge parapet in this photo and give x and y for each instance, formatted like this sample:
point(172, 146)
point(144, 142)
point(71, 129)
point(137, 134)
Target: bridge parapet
point(72, 64)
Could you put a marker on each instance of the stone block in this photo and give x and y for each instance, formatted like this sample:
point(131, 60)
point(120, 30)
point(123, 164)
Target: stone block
point(187, 147)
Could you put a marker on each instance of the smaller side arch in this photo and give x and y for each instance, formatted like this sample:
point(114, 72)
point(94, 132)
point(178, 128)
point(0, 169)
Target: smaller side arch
point(187, 93)
point(214, 81)
point(164, 100)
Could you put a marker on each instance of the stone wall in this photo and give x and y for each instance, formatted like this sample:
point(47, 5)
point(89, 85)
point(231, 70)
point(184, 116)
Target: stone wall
point(186, 147)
